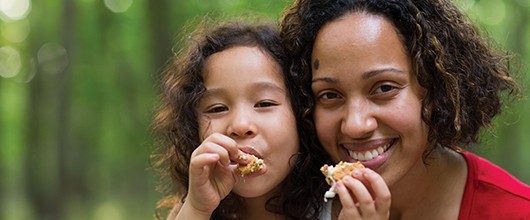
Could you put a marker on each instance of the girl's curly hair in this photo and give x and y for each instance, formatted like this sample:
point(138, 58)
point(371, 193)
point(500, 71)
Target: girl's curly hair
point(176, 124)
point(462, 74)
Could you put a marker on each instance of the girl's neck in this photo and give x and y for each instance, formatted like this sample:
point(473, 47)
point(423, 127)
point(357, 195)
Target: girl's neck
point(254, 208)
point(433, 190)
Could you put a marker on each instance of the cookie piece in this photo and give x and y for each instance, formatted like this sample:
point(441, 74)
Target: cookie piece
point(336, 173)
point(255, 165)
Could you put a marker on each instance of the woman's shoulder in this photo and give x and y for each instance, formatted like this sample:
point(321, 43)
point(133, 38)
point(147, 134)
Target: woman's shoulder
point(492, 192)
point(485, 172)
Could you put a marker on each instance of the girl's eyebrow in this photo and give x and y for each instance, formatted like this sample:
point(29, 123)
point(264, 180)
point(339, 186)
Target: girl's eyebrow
point(268, 86)
point(255, 87)
point(213, 91)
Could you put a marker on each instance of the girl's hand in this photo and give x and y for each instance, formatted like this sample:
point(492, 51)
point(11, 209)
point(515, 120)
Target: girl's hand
point(211, 176)
point(364, 197)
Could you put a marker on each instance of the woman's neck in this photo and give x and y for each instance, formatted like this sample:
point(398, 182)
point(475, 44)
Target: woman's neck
point(433, 190)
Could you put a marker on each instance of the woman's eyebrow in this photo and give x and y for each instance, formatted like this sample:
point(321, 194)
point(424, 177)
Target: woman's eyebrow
point(373, 73)
point(366, 75)
point(324, 79)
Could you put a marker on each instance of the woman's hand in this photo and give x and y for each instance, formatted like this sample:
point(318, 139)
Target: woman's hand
point(212, 176)
point(364, 196)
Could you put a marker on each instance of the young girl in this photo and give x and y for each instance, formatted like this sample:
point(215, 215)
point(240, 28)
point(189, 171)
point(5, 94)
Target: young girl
point(404, 87)
point(227, 95)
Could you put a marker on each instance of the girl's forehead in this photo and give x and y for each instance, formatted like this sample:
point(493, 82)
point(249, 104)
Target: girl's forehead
point(240, 66)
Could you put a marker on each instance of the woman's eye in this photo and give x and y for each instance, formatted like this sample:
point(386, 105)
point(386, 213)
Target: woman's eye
point(384, 89)
point(329, 95)
point(217, 109)
point(265, 104)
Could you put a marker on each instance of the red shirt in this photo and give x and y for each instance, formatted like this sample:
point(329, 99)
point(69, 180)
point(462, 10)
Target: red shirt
point(492, 193)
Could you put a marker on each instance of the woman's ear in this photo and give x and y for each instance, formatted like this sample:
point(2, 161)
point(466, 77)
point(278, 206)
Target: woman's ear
point(426, 106)
point(426, 110)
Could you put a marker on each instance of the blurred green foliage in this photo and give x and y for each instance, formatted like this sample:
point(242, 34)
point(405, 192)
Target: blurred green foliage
point(78, 87)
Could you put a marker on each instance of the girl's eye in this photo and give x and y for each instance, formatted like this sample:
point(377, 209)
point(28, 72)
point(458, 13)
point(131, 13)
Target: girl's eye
point(264, 104)
point(217, 109)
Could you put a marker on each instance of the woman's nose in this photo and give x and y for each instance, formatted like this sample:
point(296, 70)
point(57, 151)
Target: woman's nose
point(241, 125)
point(359, 121)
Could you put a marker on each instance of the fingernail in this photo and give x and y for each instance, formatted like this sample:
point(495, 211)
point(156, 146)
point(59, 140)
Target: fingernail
point(241, 155)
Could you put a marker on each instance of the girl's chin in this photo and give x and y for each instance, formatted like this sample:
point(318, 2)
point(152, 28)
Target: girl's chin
point(249, 192)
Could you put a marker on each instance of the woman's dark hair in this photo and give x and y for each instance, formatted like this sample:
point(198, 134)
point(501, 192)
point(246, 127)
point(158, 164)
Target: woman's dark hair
point(462, 74)
point(177, 126)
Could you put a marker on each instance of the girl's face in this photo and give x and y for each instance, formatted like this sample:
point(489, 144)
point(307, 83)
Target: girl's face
point(368, 101)
point(246, 99)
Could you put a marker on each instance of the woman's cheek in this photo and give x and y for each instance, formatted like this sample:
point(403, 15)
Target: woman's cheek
point(325, 125)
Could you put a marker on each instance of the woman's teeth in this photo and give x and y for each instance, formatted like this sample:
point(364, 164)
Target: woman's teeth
point(368, 155)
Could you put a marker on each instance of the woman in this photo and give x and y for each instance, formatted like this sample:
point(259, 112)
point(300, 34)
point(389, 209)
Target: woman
point(405, 87)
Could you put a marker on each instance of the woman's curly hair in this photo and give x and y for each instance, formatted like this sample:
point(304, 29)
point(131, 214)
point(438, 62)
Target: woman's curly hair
point(176, 124)
point(462, 74)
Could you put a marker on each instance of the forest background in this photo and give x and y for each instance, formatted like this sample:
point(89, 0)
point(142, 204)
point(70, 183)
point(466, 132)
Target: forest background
point(78, 87)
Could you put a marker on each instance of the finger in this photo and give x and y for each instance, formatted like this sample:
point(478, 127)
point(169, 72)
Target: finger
point(199, 165)
point(198, 162)
point(381, 192)
point(365, 201)
point(347, 201)
point(227, 143)
point(208, 147)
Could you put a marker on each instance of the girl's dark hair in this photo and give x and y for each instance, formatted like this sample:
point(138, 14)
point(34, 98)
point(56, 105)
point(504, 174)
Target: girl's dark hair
point(463, 76)
point(177, 127)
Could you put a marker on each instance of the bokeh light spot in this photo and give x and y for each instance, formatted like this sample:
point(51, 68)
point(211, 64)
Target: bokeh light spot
point(524, 3)
point(465, 5)
point(28, 70)
point(16, 31)
point(108, 210)
point(493, 12)
point(53, 58)
point(12, 10)
point(10, 62)
point(118, 6)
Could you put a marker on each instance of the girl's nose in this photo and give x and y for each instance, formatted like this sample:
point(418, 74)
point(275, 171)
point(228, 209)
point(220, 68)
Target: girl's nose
point(241, 125)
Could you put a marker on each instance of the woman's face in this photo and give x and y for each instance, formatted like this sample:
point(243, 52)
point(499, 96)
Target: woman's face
point(368, 101)
point(246, 100)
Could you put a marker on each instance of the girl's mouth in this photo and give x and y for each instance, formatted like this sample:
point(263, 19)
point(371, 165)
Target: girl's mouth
point(250, 150)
